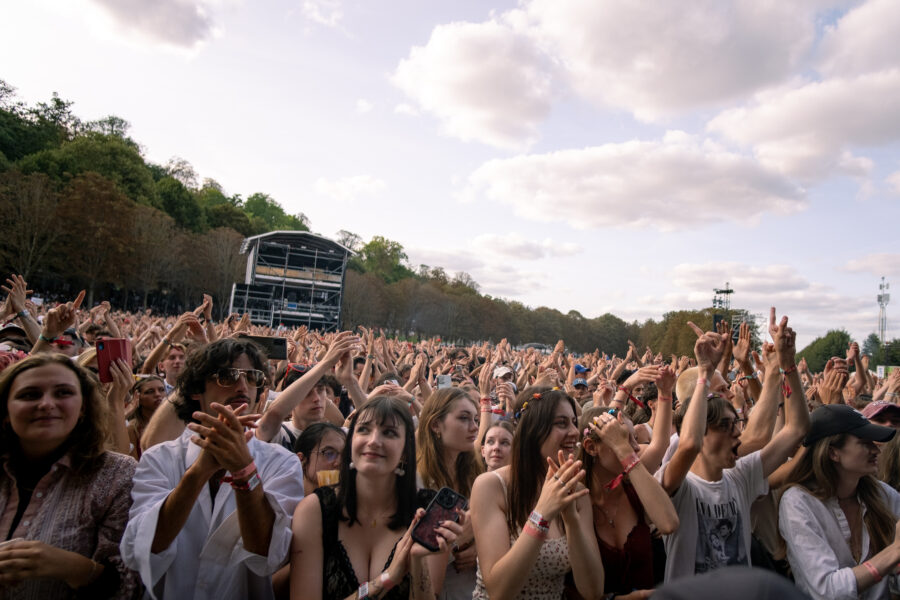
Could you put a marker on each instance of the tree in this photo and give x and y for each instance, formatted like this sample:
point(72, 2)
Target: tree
point(29, 220)
point(228, 215)
point(832, 344)
point(180, 204)
point(116, 159)
point(152, 256)
point(349, 240)
point(180, 169)
point(872, 346)
point(100, 221)
point(221, 263)
point(384, 258)
point(272, 215)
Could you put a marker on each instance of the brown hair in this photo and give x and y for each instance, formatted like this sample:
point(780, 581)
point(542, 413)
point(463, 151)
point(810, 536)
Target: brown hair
point(429, 448)
point(528, 468)
point(87, 441)
point(817, 473)
point(889, 463)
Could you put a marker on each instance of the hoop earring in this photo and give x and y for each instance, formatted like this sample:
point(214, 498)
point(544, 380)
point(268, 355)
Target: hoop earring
point(400, 471)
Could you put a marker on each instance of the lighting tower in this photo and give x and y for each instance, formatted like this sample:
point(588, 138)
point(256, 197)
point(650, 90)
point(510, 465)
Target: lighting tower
point(722, 299)
point(883, 298)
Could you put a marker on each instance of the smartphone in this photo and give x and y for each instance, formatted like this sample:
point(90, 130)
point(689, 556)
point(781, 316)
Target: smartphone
point(443, 507)
point(274, 347)
point(444, 381)
point(108, 350)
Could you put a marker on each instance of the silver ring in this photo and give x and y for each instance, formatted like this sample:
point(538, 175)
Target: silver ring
point(561, 482)
point(556, 477)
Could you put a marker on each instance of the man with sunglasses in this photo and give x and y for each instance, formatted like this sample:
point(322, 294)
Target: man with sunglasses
point(212, 509)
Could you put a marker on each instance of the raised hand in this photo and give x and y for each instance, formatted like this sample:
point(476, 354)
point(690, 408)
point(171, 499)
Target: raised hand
point(708, 348)
point(16, 290)
point(785, 344)
point(560, 484)
point(223, 437)
point(61, 317)
point(742, 348)
point(665, 381)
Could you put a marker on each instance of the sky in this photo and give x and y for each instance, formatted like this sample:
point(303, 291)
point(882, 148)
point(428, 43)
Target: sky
point(590, 155)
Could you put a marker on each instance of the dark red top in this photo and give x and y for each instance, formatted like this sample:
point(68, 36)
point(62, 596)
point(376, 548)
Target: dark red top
point(629, 568)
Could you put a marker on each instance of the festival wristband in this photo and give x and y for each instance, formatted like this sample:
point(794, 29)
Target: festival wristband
point(871, 568)
point(386, 582)
point(629, 460)
point(702, 381)
point(245, 472)
point(664, 398)
point(533, 531)
point(538, 520)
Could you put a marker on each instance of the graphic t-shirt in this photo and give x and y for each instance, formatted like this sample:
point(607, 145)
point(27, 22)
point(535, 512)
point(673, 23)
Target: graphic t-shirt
point(715, 519)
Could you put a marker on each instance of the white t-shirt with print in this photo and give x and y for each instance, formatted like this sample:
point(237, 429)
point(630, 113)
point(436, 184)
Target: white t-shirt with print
point(715, 519)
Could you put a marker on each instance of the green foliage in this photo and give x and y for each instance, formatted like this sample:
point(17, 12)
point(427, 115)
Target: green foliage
point(817, 353)
point(872, 346)
point(385, 259)
point(228, 215)
point(180, 204)
point(270, 214)
point(115, 158)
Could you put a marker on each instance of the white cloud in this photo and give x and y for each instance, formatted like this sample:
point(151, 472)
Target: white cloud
point(324, 12)
point(882, 264)
point(894, 181)
point(810, 131)
point(863, 40)
point(813, 308)
point(181, 23)
point(673, 183)
point(661, 58)
point(514, 245)
point(363, 106)
point(348, 189)
point(406, 109)
point(484, 82)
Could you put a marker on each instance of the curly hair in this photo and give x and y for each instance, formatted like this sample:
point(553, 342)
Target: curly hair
point(203, 364)
point(87, 441)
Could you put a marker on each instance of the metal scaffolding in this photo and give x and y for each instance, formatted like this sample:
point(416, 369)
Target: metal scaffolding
point(293, 278)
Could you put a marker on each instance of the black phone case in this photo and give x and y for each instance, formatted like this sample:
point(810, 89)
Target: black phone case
point(443, 507)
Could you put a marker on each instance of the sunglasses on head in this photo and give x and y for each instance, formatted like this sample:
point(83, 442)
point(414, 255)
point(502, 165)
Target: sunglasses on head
point(229, 377)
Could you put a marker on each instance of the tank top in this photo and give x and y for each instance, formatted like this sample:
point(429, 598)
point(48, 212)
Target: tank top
point(630, 567)
point(338, 577)
point(546, 579)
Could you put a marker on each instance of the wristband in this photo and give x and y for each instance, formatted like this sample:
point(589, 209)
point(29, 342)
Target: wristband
point(702, 381)
point(167, 342)
point(45, 338)
point(534, 532)
point(664, 398)
point(245, 472)
point(386, 582)
point(487, 408)
point(249, 486)
point(789, 370)
point(23, 313)
point(871, 568)
point(631, 465)
point(629, 460)
point(363, 591)
point(484, 401)
point(753, 376)
point(538, 520)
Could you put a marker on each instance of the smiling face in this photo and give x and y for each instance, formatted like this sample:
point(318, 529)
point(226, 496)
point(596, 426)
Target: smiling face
point(563, 432)
point(377, 448)
point(496, 448)
point(856, 457)
point(458, 429)
point(44, 406)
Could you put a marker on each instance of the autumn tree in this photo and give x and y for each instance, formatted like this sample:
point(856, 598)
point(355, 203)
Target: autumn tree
point(29, 219)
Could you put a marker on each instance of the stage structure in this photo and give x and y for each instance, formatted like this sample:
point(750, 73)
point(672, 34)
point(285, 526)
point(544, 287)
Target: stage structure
point(293, 278)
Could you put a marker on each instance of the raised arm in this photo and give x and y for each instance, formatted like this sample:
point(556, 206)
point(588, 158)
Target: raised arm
point(708, 349)
point(652, 454)
point(796, 415)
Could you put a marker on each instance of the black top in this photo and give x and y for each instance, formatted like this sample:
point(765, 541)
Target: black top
point(338, 577)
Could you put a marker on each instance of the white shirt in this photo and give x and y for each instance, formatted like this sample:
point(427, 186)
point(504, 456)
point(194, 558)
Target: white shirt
point(207, 559)
point(715, 519)
point(818, 545)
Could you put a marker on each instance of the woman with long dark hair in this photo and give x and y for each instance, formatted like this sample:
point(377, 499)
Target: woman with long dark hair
point(532, 520)
point(355, 542)
point(838, 520)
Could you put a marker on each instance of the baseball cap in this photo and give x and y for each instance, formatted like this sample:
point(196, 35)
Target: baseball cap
point(874, 409)
point(834, 419)
point(501, 371)
point(581, 369)
point(579, 381)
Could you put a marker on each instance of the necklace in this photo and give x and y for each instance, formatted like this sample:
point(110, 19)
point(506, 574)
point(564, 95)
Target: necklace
point(375, 519)
point(609, 518)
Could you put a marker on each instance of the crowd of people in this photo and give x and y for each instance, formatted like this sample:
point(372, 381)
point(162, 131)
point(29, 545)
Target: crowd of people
point(353, 465)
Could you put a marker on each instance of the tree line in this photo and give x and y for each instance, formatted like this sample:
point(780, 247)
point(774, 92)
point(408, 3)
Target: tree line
point(80, 207)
